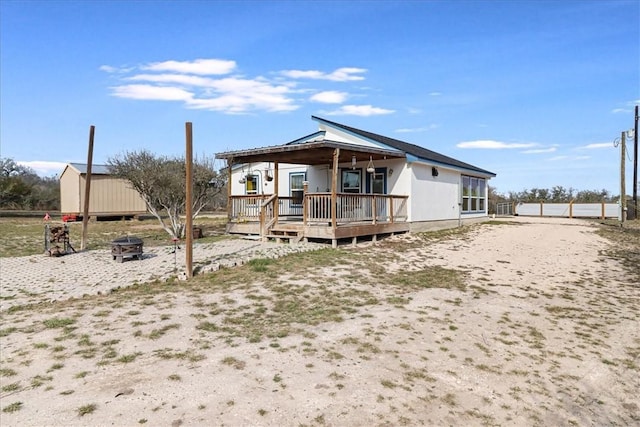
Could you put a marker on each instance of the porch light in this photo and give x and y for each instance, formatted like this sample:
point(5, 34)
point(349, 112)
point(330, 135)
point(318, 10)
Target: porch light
point(353, 161)
point(370, 167)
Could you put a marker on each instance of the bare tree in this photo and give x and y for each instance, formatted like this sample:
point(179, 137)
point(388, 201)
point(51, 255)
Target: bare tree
point(160, 180)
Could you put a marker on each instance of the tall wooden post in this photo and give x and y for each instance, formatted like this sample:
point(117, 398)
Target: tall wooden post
point(87, 190)
point(334, 195)
point(623, 189)
point(229, 201)
point(635, 165)
point(189, 200)
point(276, 184)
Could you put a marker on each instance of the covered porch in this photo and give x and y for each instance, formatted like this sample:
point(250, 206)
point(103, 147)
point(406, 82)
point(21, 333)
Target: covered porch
point(330, 215)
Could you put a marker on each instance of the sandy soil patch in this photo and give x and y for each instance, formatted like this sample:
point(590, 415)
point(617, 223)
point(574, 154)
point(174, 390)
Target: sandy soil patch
point(526, 323)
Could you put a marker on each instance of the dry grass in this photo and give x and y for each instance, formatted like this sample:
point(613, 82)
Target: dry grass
point(236, 317)
point(27, 234)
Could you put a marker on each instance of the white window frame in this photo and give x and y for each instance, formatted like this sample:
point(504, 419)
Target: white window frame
point(357, 189)
point(251, 177)
point(298, 190)
point(474, 194)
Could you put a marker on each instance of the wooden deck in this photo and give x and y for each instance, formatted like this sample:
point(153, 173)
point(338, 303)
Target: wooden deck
point(318, 216)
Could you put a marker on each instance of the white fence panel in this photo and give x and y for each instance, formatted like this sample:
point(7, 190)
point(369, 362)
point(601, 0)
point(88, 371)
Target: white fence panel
point(555, 209)
point(590, 210)
point(612, 210)
point(567, 210)
point(528, 209)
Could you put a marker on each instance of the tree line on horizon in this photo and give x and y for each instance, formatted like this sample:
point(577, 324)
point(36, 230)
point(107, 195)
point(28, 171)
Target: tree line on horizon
point(21, 188)
point(555, 194)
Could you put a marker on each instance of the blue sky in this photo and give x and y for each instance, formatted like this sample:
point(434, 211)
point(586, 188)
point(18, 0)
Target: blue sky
point(535, 91)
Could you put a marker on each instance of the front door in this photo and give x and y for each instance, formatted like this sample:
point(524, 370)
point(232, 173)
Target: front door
point(377, 184)
point(377, 181)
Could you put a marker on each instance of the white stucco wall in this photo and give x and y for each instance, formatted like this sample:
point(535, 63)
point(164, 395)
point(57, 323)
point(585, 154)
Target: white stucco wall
point(264, 186)
point(434, 198)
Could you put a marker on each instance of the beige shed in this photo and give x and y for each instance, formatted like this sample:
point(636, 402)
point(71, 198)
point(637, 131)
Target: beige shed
point(109, 197)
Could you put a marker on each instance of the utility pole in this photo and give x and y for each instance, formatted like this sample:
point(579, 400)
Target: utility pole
point(623, 191)
point(87, 189)
point(635, 166)
point(189, 199)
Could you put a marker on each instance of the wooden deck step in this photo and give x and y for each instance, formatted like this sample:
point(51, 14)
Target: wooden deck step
point(280, 237)
point(293, 235)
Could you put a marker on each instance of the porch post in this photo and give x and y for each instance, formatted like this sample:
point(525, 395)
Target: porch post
point(229, 200)
point(276, 203)
point(334, 190)
point(305, 208)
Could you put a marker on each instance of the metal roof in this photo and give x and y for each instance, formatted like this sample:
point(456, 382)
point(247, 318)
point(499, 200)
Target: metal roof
point(95, 169)
point(415, 150)
point(308, 153)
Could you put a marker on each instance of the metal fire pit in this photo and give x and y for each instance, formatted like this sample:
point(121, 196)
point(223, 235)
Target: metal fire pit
point(126, 247)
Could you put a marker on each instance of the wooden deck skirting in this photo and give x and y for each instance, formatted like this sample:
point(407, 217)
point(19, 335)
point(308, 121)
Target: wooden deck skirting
point(313, 216)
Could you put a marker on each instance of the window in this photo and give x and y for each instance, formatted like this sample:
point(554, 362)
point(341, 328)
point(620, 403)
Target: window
point(296, 186)
point(251, 184)
point(473, 194)
point(351, 181)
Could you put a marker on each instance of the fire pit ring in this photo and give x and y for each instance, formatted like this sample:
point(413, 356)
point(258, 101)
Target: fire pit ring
point(126, 247)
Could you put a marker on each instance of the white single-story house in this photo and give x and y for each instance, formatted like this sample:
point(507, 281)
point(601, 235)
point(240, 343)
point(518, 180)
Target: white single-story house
point(342, 182)
point(110, 196)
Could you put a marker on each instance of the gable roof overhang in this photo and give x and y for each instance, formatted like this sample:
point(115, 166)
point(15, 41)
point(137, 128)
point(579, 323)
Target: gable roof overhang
point(309, 153)
point(414, 153)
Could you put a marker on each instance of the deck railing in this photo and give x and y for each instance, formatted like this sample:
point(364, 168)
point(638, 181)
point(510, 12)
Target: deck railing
point(356, 207)
point(248, 208)
point(316, 208)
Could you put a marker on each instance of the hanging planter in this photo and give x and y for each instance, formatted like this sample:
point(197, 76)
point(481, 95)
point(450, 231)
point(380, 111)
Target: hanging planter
point(268, 176)
point(370, 167)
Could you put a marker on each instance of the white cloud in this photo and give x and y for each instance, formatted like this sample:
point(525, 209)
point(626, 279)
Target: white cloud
point(112, 70)
point(182, 79)
point(596, 146)
point(583, 157)
point(435, 93)
point(620, 110)
point(197, 83)
point(108, 69)
point(540, 150)
point(360, 110)
point(494, 145)
point(151, 93)
point(329, 97)
point(340, 75)
point(237, 103)
point(198, 66)
point(44, 168)
point(556, 158)
point(415, 130)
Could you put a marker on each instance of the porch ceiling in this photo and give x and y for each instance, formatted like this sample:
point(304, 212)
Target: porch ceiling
point(309, 153)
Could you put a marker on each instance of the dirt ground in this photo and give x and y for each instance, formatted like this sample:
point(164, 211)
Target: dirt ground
point(528, 321)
